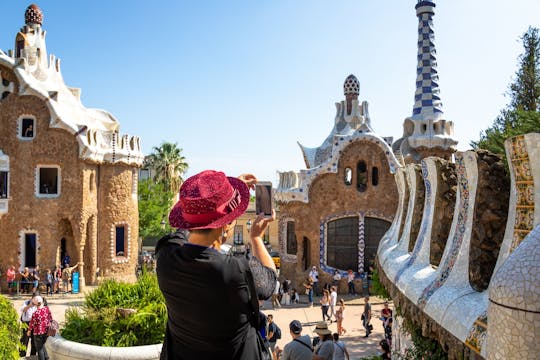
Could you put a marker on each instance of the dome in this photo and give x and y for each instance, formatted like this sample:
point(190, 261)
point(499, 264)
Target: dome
point(33, 15)
point(351, 86)
point(517, 282)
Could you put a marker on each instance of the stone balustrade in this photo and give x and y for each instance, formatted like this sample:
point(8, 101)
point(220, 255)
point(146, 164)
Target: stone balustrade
point(59, 348)
point(473, 285)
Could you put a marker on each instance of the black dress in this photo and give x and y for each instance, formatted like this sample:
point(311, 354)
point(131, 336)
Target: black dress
point(209, 301)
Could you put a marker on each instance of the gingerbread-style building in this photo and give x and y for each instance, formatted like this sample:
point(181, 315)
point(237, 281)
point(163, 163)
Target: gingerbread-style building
point(68, 178)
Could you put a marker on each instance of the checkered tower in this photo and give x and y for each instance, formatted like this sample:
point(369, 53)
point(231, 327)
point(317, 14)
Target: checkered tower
point(426, 132)
point(427, 100)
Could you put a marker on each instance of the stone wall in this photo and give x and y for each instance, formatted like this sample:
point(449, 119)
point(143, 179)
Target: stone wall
point(418, 204)
point(483, 254)
point(490, 215)
point(444, 209)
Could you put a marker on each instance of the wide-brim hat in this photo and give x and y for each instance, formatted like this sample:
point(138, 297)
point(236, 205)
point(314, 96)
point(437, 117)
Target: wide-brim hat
point(209, 200)
point(322, 329)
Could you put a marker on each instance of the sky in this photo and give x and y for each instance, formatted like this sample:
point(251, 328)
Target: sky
point(236, 84)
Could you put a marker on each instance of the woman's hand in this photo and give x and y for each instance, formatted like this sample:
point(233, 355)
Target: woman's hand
point(249, 179)
point(260, 224)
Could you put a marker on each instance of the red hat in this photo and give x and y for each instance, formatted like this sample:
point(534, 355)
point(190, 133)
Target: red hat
point(209, 200)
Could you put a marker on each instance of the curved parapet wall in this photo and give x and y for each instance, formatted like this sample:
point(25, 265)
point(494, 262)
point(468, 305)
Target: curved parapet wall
point(514, 304)
point(389, 240)
point(450, 308)
point(398, 256)
point(59, 348)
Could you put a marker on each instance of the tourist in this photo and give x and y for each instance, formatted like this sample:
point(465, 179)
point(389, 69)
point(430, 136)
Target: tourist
point(366, 317)
point(25, 280)
point(336, 278)
point(325, 304)
point(39, 324)
point(299, 348)
point(66, 278)
point(66, 261)
point(295, 298)
point(314, 275)
point(275, 296)
point(340, 350)
point(274, 332)
point(286, 287)
point(34, 277)
point(340, 315)
point(388, 331)
point(49, 282)
point(308, 285)
point(27, 310)
point(212, 298)
point(325, 348)
point(10, 277)
point(386, 313)
point(386, 350)
point(333, 302)
point(350, 282)
point(57, 276)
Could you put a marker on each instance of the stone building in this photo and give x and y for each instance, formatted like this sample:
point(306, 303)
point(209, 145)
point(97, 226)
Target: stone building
point(68, 178)
point(333, 214)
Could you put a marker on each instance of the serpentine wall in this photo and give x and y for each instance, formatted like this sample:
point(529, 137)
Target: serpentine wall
point(462, 257)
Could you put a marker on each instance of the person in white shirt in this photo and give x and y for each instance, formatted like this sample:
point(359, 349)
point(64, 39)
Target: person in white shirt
point(350, 282)
point(333, 302)
point(314, 275)
point(336, 278)
point(275, 296)
point(28, 309)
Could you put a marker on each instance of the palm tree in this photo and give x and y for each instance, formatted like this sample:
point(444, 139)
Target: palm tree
point(169, 165)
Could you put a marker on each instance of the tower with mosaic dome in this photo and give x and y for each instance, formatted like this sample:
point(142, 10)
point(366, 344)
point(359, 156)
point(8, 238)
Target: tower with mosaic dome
point(68, 177)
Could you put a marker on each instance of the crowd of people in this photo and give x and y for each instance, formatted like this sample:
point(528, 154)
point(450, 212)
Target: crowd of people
point(30, 279)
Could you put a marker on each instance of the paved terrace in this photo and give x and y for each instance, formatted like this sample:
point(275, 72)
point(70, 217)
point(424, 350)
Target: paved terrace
point(357, 345)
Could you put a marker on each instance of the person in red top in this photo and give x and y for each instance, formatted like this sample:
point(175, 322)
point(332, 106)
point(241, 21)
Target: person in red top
point(10, 276)
point(38, 326)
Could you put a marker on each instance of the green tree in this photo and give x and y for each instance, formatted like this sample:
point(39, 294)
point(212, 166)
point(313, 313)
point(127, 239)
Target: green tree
point(522, 114)
point(169, 165)
point(155, 201)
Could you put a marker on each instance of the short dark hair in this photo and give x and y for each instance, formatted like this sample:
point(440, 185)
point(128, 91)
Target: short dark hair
point(335, 336)
point(201, 231)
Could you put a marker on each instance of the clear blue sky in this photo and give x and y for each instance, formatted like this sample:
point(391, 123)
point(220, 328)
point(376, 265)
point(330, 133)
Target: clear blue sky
point(237, 83)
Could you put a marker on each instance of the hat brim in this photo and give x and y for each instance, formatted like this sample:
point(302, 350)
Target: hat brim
point(176, 217)
point(323, 331)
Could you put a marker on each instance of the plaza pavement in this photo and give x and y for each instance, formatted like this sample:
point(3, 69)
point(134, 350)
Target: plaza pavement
point(356, 344)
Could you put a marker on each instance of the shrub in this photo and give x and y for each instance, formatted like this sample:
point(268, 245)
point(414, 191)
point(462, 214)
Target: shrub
point(99, 321)
point(9, 330)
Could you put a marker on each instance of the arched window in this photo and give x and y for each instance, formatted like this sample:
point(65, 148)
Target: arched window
point(292, 246)
point(348, 176)
point(374, 176)
point(342, 245)
point(361, 176)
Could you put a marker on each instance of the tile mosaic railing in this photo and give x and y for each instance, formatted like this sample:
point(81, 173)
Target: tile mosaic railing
point(444, 293)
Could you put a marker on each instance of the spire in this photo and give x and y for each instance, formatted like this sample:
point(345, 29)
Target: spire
point(427, 101)
point(427, 132)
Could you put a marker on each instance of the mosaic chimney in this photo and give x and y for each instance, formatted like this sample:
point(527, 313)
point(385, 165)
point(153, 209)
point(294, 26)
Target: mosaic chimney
point(426, 132)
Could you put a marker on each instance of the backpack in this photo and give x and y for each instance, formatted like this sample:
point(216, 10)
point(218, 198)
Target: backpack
point(278, 332)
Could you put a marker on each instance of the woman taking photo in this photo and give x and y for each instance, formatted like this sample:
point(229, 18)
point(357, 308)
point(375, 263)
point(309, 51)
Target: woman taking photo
point(212, 298)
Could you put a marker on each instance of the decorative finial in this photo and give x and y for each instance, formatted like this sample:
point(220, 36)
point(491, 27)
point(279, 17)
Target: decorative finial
point(33, 15)
point(351, 86)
